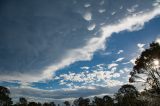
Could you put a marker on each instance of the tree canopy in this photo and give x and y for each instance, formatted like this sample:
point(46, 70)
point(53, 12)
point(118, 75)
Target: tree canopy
point(5, 100)
point(147, 68)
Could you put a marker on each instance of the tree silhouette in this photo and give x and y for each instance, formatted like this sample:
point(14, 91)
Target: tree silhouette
point(23, 101)
point(52, 104)
point(108, 101)
point(147, 68)
point(126, 95)
point(67, 103)
point(5, 100)
point(98, 101)
point(81, 102)
point(33, 104)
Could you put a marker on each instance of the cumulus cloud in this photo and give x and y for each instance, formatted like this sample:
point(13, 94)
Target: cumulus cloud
point(97, 75)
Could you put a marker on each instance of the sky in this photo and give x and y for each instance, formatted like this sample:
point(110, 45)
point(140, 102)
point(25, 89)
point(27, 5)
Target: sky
point(64, 49)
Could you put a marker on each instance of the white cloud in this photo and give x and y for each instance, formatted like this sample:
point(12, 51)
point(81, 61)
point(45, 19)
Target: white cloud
point(132, 9)
point(91, 26)
point(86, 52)
point(94, 78)
point(126, 62)
point(133, 61)
point(112, 65)
point(158, 40)
point(87, 16)
point(96, 43)
point(141, 46)
point(120, 59)
point(101, 10)
point(105, 53)
point(121, 71)
point(121, 7)
point(115, 75)
point(85, 68)
point(113, 13)
point(87, 5)
point(113, 69)
point(127, 69)
point(120, 51)
point(60, 95)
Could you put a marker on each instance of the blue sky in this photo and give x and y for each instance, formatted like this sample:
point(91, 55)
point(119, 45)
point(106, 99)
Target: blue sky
point(67, 49)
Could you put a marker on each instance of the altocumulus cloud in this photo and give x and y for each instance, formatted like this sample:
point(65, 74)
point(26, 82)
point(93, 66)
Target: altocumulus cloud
point(37, 40)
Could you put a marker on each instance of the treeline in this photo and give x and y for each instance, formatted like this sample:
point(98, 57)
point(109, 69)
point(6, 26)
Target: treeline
point(127, 95)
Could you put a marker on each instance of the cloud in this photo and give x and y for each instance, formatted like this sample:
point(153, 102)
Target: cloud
point(133, 61)
point(61, 95)
point(44, 53)
point(87, 5)
point(158, 40)
point(91, 26)
point(120, 51)
point(120, 59)
point(85, 68)
point(112, 65)
point(121, 7)
point(113, 13)
point(96, 76)
point(141, 47)
point(132, 9)
point(87, 16)
point(101, 10)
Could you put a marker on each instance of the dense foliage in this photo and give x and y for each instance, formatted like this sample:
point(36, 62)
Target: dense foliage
point(147, 68)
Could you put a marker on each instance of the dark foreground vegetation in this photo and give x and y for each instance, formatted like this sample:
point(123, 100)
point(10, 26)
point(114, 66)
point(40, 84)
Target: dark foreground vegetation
point(146, 70)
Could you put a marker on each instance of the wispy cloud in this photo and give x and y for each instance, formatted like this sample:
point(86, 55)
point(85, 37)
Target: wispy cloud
point(120, 59)
point(112, 65)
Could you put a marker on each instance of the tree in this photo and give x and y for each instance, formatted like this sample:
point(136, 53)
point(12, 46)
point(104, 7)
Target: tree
point(147, 68)
point(98, 101)
point(67, 103)
point(32, 104)
point(81, 102)
point(52, 104)
point(126, 95)
point(23, 101)
point(5, 100)
point(108, 101)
